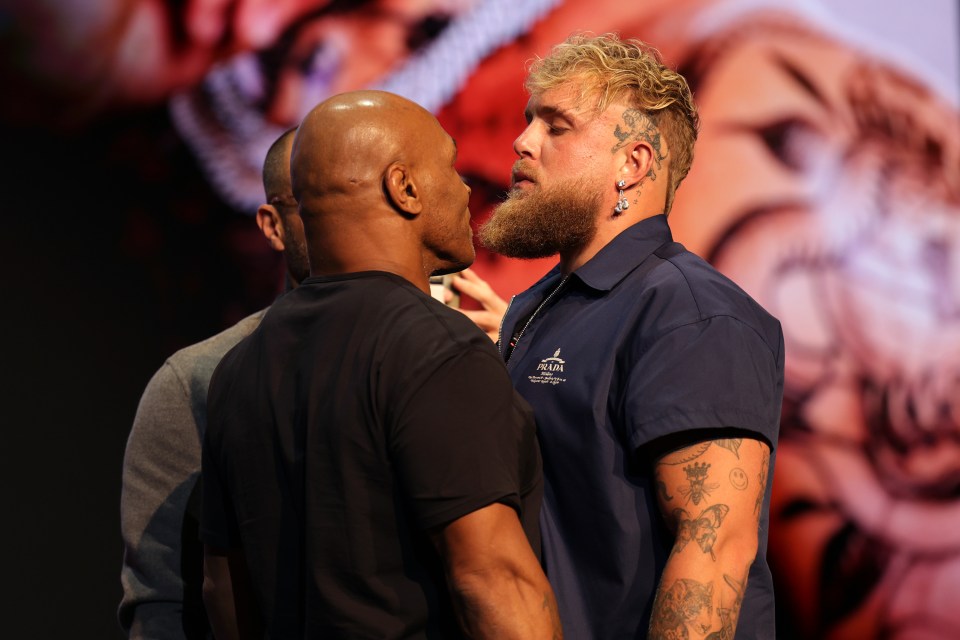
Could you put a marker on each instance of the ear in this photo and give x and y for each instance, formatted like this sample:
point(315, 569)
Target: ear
point(268, 219)
point(401, 189)
point(638, 163)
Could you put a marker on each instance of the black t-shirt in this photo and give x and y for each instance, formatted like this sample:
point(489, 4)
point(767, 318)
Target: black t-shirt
point(358, 415)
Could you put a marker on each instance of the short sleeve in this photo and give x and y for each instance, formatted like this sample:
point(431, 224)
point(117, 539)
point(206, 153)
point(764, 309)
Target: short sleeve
point(713, 373)
point(465, 440)
point(160, 469)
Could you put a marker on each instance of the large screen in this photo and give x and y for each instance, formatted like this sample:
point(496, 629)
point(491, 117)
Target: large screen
point(826, 183)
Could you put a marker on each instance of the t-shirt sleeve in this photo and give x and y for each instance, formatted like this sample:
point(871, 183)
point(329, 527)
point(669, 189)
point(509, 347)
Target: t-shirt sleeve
point(159, 472)
point(713, 373)
point(465, 440)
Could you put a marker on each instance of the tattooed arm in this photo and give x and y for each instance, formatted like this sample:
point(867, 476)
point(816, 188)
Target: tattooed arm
point(710, 495)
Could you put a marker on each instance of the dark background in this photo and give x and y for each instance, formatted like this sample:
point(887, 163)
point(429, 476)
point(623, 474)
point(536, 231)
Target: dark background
point(114, 260)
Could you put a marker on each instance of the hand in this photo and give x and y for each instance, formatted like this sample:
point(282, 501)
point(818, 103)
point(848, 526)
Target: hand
point(494, 307)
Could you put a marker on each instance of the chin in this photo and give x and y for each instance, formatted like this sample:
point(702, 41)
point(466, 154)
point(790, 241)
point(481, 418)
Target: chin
point(517, 192)
point(455, 264)
point(450, 268)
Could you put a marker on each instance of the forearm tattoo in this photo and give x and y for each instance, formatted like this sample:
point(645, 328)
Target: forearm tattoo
point(731, 613)
point(637, 126)
point(686, 607)
point(696, 601)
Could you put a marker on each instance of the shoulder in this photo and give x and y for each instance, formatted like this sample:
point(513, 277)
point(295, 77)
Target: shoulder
point(416, 336)
point(195, 364)
point(422, 325)
point(380, 316)
point(683, 289)
point(405, 314)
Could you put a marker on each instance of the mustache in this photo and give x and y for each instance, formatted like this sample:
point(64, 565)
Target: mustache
point(522, 170)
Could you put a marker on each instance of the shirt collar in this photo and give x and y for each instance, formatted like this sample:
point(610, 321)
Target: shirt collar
point(624, 253)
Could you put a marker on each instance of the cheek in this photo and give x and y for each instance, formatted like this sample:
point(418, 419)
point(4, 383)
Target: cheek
point(576, 159)
point(458, 194)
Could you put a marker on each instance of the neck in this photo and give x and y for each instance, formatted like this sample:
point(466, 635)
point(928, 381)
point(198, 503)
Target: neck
point(608, 228)
point(352, 241)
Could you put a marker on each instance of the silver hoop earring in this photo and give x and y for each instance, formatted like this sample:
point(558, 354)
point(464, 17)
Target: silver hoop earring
point(622, 203)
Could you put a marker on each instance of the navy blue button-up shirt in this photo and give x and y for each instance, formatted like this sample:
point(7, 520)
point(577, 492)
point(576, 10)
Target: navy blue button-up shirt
point(644, 340)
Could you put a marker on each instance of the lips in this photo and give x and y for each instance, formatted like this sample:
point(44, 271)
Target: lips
point(520, 175)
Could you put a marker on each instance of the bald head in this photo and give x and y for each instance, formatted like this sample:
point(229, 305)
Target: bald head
point(347, 142)
point(375, 179)
point(276, 168)
point(278, 218)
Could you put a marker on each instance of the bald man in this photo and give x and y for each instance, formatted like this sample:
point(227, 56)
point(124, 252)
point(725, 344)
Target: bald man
point(159, 502)
point(368, 470)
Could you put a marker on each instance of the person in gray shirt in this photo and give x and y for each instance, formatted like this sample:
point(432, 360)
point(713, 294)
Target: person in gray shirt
point(162, 570)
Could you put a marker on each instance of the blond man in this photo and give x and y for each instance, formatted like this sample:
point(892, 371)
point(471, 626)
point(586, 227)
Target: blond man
point(656, 382)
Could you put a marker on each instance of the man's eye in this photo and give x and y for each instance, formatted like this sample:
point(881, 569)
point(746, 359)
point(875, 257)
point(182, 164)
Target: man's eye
point(556, 130)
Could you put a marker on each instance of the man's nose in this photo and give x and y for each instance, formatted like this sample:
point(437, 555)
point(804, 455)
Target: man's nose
point(526, 144)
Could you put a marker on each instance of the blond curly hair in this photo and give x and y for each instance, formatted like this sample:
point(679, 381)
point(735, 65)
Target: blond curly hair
point(613, 69)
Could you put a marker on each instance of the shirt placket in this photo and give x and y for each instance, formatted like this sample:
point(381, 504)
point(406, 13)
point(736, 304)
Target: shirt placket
point(512, 345)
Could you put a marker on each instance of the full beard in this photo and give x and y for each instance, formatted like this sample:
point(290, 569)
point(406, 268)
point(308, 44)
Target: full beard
point(542, 223)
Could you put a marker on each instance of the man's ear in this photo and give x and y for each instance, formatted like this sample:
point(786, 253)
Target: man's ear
point(401, 190)
point(638, 163)
point(268, 219)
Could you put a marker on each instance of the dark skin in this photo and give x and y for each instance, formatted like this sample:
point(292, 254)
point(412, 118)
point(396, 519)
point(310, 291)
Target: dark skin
point(374, 177)
point(279, 217)
point(383, 195)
